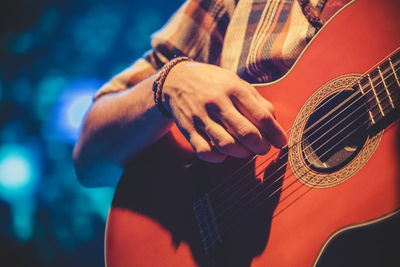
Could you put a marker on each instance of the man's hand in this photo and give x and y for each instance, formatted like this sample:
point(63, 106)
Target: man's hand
point(220, 114)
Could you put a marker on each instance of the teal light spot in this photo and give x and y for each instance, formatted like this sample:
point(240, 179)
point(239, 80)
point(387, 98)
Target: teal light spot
point(14, 171)
point(22, 211)
point(18, 171)
point(100, 200)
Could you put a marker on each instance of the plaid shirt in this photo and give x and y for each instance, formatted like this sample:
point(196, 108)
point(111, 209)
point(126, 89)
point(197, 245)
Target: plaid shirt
point(258, 39)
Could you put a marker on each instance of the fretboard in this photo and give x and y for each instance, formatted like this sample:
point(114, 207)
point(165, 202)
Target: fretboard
point(381, 89)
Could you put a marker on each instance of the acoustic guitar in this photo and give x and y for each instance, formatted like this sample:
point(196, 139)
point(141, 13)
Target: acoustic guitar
point(340, 104)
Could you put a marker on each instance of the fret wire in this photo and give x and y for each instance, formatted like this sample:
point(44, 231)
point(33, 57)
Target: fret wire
point(388, 69)
point(386, 88)
point(376, 76)
point(389, 100)
point(369, 111)
point(388, 75)
point(395, 97)
point(395, 74)
point(388, 72)
point(395, 66)
point(376, 96)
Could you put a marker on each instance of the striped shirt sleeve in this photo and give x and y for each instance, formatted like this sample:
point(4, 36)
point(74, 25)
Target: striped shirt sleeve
point(196, 30)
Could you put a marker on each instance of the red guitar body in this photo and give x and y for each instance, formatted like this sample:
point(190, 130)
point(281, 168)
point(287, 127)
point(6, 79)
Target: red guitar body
point(151, 221)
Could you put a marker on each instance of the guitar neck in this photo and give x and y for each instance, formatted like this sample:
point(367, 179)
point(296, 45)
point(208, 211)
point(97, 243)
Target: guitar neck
point(381, 91)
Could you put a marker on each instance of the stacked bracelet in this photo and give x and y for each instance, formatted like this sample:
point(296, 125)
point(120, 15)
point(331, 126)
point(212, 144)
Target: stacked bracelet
point(159, 83)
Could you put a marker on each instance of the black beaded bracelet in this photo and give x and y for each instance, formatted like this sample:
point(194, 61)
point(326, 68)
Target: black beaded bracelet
point(159, 83)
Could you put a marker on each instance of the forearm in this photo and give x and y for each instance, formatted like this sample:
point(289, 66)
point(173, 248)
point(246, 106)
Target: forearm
point(218, 113)
point(117, 127)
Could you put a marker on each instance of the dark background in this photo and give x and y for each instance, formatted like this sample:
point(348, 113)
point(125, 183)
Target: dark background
point(53, 56)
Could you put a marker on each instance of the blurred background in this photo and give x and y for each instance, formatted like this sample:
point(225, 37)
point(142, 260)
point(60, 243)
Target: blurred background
point(54, 55)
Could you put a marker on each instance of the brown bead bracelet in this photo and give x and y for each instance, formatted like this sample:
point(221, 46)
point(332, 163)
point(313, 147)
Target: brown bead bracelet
point(159, 83)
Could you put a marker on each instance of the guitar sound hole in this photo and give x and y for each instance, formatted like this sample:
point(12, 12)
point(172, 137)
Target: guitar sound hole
point(335, 132)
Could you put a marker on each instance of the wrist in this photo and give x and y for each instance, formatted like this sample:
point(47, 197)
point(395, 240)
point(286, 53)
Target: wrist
point(158, 84)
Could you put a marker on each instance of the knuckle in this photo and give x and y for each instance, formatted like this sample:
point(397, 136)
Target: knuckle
point(212, 96)
point(265, 118)
point(226, 114)
point(270, 109)
point(225, 144)
point(252, 139)
point(236, 91)
point(247, 134)
point(234, 86)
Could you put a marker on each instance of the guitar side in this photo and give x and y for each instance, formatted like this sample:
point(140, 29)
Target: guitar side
point(151, 220)
point(371, 243)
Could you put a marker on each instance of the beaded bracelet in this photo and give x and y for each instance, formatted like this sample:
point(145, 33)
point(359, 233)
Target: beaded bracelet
point(159, 83)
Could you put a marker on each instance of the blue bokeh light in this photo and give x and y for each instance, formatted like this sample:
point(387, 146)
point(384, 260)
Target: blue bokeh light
point(75, 110)
point(18, 170)
point(50, 51)
point(18, 182)
point(72, 106)
point(14, 171)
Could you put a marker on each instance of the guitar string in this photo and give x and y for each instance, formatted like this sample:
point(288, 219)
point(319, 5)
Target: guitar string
point(224, 222)
point(215, 188)
point(232, 205)
point(275, 213)
point(224, 225)
point(306, 130)
point(227, 227)
point(221, 223)
point(217, 208)
point(375, 78)
point(395, 80)
point(321, 146)
point(390, 127)
point(282, 156)
point(302, 142)
point(263, 191)
point(282, 188)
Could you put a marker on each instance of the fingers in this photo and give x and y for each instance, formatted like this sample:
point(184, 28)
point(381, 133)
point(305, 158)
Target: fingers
point(244, 131)
point(220, 114)
point(261, 113)
point(212, 143)
point(223, 129)
point(204, 150)
point(200, 144)
point(223, 141)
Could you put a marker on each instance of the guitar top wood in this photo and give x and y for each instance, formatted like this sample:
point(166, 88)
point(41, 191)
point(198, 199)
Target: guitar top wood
point(287, 219)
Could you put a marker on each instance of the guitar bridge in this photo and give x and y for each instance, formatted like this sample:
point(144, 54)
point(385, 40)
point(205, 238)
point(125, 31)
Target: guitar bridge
point(206, 221)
